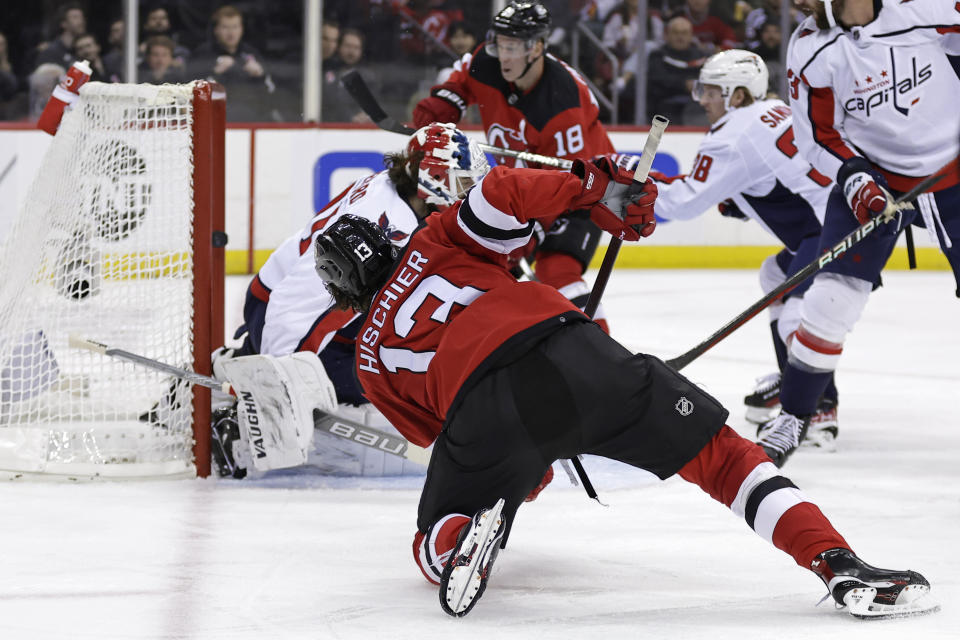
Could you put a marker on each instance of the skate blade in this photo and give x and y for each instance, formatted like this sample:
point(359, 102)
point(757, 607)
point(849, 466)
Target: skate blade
point(759, 415)
point(824, 442)
point(468, 577)
point(914, 600)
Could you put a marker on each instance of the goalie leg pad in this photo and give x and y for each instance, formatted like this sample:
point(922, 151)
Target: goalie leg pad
point(276, 399)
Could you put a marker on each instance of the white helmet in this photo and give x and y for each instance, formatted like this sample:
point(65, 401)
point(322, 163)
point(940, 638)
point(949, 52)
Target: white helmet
point(731, 69)
point(451, 164)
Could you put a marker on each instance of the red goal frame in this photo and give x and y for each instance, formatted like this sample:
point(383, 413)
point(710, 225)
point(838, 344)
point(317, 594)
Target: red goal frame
point(209, 238)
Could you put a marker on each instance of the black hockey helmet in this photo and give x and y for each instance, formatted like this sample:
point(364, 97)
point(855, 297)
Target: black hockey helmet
point(522, 20)
point(354, 258)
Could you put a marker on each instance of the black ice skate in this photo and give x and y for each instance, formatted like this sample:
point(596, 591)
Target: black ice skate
point(871, 593)
point(224, 435)
point(764, 400)
point(465, 576)
point(824, 429)
point(781, 436)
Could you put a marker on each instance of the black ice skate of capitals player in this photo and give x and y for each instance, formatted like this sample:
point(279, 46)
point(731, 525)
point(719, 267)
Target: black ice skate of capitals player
point(504, 377)
point(531, 101)
point(875, 87)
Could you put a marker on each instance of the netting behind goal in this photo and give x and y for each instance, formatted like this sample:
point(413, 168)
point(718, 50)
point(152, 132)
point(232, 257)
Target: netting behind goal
point(112, 243)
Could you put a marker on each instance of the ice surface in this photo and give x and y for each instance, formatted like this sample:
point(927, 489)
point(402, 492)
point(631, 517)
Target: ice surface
point(296, 556)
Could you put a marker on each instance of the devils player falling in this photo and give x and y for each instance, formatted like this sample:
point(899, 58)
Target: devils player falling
point(531, 101)
point(505, 377)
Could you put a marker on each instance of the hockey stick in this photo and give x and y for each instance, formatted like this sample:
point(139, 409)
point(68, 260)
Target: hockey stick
point(370, 437)
point(340, 427)
point(77, 342)
point(793, 281)
point(6, 170)
point(639, 176)
point(600, 284)
point(355, 85)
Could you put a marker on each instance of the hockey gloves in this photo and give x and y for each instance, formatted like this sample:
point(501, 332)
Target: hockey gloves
point(617, 204)
point(729, 209)
point(442, 105)
point(865, 197)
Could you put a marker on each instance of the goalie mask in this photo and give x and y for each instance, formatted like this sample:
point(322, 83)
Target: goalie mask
point(527, 21)
point(731, 69)
point(353, 258)
point(451, 163)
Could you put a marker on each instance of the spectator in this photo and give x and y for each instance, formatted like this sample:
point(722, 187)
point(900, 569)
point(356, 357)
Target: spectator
point(768, 11)
point(41, 82)
point(462, 41)
point(329, 41)
point(157, 23)
point(238, 67)
point(769, 49)
point(86, 47)
point(672, 70)
point(338, 105)
point(72, 23)
point(8, 80)
point(710, 31)
point(424, 22)
point(622, 30)
point(159, 63)
point(113, 58)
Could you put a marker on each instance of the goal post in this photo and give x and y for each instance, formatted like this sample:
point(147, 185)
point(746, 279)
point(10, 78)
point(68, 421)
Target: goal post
point(119, 239)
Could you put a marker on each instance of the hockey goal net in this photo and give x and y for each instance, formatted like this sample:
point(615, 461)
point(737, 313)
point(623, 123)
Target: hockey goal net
point(114, 243)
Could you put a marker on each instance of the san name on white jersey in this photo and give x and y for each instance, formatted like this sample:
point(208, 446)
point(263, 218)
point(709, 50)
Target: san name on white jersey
point(747, 155)
point(887, 91)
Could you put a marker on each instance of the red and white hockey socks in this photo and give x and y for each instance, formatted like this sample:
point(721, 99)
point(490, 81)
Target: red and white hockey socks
point(432, 549)
point(737, 473)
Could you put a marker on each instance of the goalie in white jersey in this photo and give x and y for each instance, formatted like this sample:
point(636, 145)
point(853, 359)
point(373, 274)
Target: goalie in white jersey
point(875, 86)
point(749, 164)
point(287, 309)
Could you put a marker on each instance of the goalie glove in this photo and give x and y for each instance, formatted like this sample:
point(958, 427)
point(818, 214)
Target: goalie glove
point(617, 203)
point(865, 197)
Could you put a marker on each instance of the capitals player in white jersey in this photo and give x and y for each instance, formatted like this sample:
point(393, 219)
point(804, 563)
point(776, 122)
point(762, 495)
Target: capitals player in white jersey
point(748, 163)
point(287, 309)
point(874, 85)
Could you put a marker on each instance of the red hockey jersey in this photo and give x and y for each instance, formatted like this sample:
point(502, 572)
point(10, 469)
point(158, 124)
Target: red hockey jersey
point(450, 304)
point(557, 117)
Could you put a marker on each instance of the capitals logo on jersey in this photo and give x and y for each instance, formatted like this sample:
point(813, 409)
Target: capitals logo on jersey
point(884, 87)
point(384, 223)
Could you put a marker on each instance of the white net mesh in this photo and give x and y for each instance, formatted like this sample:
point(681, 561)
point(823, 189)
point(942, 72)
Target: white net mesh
point(102, 248)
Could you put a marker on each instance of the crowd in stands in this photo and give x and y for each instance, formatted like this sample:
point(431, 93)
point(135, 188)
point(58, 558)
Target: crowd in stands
point(401, 47)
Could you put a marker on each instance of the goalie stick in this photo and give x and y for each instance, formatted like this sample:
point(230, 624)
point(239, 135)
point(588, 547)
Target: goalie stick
point(355, 85)
point(369, 437)
point(848, 241)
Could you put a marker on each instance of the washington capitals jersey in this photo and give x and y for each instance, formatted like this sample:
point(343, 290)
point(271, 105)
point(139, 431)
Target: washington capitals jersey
point(749, 156)
point(300, 313)
point(888, 91)
point(451, 308)
point(558, 117)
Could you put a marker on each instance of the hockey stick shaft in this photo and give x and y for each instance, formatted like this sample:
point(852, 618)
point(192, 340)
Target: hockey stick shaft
point(370, 437)
point(848, 241)
point(355, 85)
point(77, 342)
point(639, 175)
